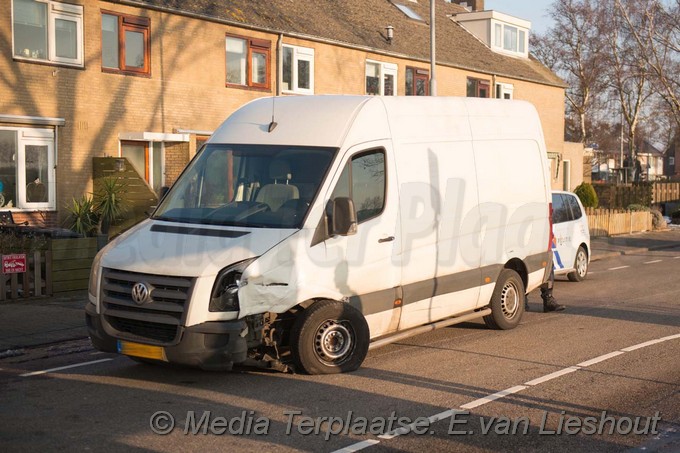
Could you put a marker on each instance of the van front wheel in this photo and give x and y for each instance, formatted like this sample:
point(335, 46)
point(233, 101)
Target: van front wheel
point(329, 337)
point(507, 301)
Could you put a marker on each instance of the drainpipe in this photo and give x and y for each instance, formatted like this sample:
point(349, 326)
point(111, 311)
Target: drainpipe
point(433, 60)
point(279, 64)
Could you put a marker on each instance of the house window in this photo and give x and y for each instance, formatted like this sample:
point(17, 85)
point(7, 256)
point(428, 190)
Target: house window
point(504, 91)
point(298, 69)
point(417, 82)
point(27, 174)
point(247, 62)
point(48, 31)
point(510, 38)
point(671, 160)
point(381, 78)
point(478, 88)
point(125, 44)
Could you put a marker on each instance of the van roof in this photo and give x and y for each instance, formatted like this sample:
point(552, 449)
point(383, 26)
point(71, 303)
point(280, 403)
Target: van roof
point(326, 120)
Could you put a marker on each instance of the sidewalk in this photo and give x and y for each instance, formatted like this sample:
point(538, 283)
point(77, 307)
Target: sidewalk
point(34, 322)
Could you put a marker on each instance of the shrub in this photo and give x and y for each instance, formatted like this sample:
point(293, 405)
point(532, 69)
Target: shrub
point(658, 222)
point(83, 218)
point(586, 193)
point(637, 207)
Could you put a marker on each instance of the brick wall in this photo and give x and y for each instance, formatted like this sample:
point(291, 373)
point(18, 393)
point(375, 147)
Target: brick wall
point(186, 90)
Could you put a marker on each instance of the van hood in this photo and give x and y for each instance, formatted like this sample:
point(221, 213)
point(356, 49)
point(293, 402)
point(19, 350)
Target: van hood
point(187, 250)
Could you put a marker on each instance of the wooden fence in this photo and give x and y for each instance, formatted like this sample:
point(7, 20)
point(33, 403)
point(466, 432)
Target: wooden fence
point(610, 222)
point(666, 192)
point(36, 281)
point(71, 262)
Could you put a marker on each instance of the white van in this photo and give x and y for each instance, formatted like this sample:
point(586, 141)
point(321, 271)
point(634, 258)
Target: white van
point(571, 236)
point(310, 228)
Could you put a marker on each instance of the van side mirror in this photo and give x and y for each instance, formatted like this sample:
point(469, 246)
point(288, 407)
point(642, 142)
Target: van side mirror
point(344, 217)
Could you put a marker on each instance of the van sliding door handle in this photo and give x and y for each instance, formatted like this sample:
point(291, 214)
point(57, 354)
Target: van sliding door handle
point(387, 239)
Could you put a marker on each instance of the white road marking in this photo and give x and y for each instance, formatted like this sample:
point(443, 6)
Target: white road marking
point(617, 268)
point(551, 376)
point(493, 397)
point(358, 446)
point(652, 262)
point(503, 393)
point(676, 257)
point(602, 358)
point(36, 373)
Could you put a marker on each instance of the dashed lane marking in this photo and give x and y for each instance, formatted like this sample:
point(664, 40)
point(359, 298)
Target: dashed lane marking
point(652, 262)
point(617, 268)
point(36, 373)
point(510, 391)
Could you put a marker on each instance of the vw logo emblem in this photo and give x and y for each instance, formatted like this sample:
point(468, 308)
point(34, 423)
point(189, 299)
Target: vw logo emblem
point(140, 293)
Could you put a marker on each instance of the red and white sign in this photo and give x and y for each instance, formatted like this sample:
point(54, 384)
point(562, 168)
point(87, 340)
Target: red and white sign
point(14, 264)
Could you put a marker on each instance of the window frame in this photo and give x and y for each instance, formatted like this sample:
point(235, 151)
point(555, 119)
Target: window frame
point(298, 54)
point(416, 74)
point(348, 167)
point(384, 70)
point(253, 46)
point(126, 22)
point(31, 136)
point(503, 89)
point(520, 44)
point(477, 87)
point(54, 10)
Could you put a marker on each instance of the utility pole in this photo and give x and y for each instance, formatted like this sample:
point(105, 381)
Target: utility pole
point(433, 61)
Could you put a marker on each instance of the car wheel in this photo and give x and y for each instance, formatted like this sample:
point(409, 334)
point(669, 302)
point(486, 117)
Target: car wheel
point(329, 337)
point(507, 301)
point(581, 266)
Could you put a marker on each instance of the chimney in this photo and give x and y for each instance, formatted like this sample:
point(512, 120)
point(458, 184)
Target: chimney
point(472, 5)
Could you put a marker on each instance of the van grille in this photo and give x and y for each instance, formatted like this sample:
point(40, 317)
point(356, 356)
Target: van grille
point(158, 319)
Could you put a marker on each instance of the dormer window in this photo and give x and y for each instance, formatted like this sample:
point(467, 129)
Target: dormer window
point(408, 12)
point(502, 33)
point(510, 38)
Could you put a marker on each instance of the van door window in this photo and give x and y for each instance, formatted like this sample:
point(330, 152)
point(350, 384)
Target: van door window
point(363, 180)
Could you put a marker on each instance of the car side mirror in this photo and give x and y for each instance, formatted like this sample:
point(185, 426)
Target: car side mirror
point(344, 217)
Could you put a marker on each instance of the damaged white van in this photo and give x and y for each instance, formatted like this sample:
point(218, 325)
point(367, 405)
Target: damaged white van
point(309, 229)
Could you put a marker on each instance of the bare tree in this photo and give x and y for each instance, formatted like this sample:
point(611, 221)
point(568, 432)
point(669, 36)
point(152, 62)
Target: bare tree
point(625, 67)
point(655, 29)
point(572, 48)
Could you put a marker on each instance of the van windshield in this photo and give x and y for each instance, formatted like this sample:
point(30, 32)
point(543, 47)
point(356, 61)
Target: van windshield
point(247, 185)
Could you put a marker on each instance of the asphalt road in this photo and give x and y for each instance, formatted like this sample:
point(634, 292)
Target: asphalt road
point(578, 380)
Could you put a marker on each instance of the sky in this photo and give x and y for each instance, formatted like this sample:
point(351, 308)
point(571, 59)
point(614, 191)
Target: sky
point(532, 10)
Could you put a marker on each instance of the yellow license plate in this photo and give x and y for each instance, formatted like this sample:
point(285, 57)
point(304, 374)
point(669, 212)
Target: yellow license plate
point(144, 351)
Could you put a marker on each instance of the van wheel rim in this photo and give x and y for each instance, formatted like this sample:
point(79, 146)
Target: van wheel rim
point(510, 301)
point(333, 342)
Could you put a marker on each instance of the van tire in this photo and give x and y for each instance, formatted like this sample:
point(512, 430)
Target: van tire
point(580, 266)
point(329, 337)
point(507, 301)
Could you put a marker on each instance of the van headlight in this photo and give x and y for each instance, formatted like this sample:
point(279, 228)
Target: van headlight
point(95, 274)
point(224, 296)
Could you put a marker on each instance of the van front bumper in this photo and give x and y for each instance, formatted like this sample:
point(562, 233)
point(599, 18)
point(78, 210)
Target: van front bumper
point(215, 345)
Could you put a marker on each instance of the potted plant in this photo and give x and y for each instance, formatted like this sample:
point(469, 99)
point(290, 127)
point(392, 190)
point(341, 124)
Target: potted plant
point(83, 218)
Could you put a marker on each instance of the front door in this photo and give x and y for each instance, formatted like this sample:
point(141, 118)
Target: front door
point(147, 159)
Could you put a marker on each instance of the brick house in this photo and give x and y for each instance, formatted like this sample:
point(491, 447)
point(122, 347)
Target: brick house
point(151, 79)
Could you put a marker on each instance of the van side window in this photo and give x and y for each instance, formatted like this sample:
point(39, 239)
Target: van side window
point(575, 208)
point(560, 209)
point(363, 180)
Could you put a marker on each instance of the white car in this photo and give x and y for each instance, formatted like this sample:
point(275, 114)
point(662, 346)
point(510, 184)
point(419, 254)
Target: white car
point(571, 241)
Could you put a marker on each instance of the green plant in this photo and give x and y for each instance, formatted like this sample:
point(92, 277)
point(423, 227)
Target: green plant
point(109, 202)
point(637, 207)
point(83, 217)
point(586, 193)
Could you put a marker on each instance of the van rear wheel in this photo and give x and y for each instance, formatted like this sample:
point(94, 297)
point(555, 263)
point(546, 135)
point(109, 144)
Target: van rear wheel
point(329, 337)
point(507, 301)
point(581, 266)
